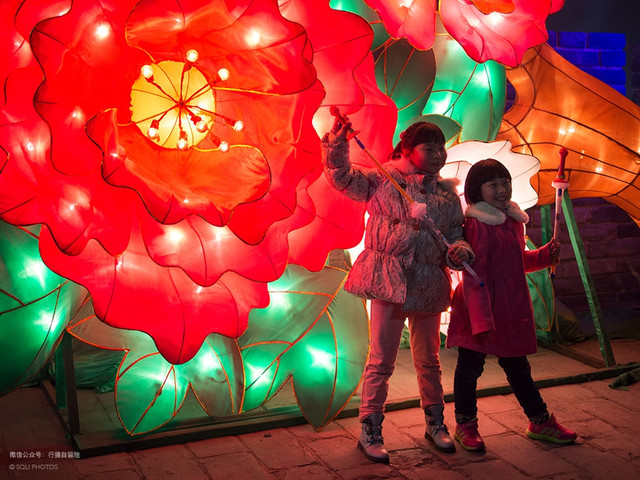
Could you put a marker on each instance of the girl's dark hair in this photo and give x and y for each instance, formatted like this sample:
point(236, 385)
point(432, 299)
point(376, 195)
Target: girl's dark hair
point(419, 132)
point(480, 173)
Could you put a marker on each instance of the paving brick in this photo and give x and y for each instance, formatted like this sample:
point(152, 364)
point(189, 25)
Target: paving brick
point(499, 404)
point(217, 446)
point(528, 456)
point(278, 449)
point(414, 464)
point(514, 421)
point(607, 411)
point(236, 465)
point(492, 470)
point(123, 475)
point(629, 399)
point(338, 453)
point(112, 463)
point(370, 471)
point(604, 418)
point(597, 463)
point(309, 472)
point(168, 462)
point(487, 426)
point(55, 470)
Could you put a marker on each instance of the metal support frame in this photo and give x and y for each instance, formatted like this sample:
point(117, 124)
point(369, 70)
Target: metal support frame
point(66, 393)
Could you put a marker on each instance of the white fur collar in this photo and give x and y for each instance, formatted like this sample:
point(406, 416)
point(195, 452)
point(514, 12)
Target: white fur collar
point(492, 216)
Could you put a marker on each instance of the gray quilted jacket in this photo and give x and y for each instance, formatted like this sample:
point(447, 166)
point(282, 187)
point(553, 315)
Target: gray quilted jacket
point(403, 260)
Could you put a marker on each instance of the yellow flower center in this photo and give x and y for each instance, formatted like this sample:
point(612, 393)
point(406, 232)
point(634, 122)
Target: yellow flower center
point(173, 104)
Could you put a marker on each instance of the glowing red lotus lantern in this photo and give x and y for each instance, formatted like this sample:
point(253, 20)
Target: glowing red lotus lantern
point(169, 149)
point(500, 30)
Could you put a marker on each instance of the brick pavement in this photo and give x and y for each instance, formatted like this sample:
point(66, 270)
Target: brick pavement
point(607, 421)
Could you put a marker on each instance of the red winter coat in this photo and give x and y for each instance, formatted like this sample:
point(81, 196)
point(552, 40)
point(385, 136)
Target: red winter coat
point(497, 318)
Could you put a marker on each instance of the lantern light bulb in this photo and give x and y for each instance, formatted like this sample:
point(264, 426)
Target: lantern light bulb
point(223, 73)
point(147, 72)
point(183, 143)
point(224, 146)
point(238, 126)
point(192, 56)
point(201, 126)
point(153, 133)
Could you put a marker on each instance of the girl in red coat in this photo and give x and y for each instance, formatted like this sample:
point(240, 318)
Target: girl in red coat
point(497, 318)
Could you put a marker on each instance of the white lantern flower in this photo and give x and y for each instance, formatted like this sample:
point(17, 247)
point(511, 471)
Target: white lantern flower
point(522, 167)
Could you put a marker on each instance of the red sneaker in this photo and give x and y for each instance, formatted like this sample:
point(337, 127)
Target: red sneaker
point(468, 437)
point(551, 431)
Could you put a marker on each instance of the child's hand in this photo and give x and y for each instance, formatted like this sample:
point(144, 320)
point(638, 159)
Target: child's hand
point(554, 251)
point(339, 130)
point(418, 210)
point(459, 254)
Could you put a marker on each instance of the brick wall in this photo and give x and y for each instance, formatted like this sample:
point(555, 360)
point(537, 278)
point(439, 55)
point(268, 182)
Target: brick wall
point(601, 55)
point(611, 239)
point(612, 246)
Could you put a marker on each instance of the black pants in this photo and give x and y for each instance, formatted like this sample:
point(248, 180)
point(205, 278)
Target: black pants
point(469, 368)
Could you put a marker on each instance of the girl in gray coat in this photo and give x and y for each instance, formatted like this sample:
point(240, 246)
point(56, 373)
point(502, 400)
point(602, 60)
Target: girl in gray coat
point(404, 268)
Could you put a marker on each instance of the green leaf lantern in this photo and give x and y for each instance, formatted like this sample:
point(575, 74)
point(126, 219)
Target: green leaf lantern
point(35, 306)
point(543, 300)
point(149, 391)
point(322, 346)
point(470, 93)
point(312, 332)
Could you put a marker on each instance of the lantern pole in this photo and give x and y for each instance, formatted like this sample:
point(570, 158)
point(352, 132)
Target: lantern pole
point(560, 184)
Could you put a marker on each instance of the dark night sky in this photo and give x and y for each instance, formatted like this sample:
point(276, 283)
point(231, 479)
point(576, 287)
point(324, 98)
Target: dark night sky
point(613, 16)
point(608, 16)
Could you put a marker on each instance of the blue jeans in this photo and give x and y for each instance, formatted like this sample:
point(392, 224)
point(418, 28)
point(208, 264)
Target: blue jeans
point(465, 383)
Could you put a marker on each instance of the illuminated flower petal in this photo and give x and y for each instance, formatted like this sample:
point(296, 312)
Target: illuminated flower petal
point(489, 6)
point(128, 296)
point(33, 191)
point(345, 66)
point(503, 37)
point(175, 185)
point(500, 30)
point(414, 20)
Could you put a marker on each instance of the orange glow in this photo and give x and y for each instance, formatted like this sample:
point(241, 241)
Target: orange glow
point(488, 6)
point(558, 105)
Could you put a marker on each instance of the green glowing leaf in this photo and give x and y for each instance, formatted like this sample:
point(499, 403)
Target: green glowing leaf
point(320, 346)
point(149, 394)
point(360, 8)
point(150, 391)
point(472, 94)
point(542, 298)
point(35, 306)
point(406, 75)
point(216, 376)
